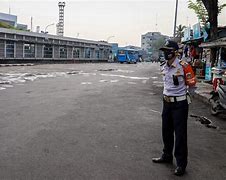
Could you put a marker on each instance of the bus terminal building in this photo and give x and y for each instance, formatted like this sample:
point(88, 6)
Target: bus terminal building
point(24, 46)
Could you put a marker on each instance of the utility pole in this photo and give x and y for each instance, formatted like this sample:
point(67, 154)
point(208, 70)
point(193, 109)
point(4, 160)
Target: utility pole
point(175, 21)
point(156, 23)
point(47, 27)
point(109, 38)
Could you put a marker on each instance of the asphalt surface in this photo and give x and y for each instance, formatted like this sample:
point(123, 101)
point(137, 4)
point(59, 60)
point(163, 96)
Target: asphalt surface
point(96, 121)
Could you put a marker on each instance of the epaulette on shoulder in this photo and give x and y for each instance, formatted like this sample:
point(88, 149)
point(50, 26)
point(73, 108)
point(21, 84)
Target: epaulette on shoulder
point(183, 63)
point(162, 63)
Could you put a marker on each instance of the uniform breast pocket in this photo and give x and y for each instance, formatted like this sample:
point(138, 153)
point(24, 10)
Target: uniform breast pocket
point(180, 79)
point(177, 80)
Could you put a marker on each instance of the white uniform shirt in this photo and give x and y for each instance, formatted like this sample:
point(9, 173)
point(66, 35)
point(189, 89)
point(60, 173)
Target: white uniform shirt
point(170, 89)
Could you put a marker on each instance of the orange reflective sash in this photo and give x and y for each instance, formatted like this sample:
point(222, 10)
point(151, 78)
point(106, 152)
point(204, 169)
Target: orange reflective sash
point(189, 75)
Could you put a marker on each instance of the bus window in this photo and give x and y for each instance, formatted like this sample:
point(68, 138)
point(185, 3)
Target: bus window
point(121, 52)
point(131, 52)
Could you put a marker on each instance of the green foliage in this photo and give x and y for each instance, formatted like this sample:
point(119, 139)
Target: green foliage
point(201, 11)
point(220, 7)
point(180, 31)
point(158, 43)
point(7, 26)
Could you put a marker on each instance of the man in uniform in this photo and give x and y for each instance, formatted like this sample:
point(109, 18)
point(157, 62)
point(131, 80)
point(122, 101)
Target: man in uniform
point(175, 110)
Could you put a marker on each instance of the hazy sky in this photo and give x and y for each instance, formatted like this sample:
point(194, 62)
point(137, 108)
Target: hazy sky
point(126, 20)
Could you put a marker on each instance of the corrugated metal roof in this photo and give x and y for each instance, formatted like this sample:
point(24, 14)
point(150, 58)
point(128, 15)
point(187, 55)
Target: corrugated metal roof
point(216, 43)
point(42, 35)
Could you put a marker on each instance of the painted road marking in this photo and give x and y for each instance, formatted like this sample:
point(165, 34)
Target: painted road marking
point(83, 83)
point(127, 77)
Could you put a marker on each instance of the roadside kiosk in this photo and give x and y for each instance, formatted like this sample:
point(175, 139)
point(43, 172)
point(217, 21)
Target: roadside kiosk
point(218, 72)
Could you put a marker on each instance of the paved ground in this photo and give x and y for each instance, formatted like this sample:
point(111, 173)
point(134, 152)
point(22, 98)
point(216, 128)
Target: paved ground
point(95, 121)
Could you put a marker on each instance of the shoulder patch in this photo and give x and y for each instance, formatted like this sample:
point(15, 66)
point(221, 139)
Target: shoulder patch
point(183, 63)
point(178, 72)
point(162, 63)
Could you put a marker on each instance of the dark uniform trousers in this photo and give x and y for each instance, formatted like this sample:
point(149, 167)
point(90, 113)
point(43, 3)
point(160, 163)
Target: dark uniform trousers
point(174, 119)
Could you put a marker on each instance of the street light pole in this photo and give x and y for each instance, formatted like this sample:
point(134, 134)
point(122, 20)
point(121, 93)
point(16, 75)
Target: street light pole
point(48, 26)
point(175, 20)
point(109, 38)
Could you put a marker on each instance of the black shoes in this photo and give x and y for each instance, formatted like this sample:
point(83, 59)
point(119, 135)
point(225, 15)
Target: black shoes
point(162, 160)
point(179, 171)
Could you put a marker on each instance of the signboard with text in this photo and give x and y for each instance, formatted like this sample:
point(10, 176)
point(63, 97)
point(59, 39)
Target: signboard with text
point(196, 31)
point(187, 34)
point(208, 72)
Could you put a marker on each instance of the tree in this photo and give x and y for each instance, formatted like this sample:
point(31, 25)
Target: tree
point(180, 31)
point(199, 9)
point(157, 44)
point(213, 9)
point(209, 14)
point(8, 26)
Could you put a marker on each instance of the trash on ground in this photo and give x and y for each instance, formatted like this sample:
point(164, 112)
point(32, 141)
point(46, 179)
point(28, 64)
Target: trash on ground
point(205, 121)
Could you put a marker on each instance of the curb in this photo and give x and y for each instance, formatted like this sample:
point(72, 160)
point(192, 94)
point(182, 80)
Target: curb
point(10, 65)
point(202, 98)
point(202, 92)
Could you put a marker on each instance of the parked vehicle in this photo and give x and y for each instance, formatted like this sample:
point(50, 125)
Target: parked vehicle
point(218, 100)
point(127, 55)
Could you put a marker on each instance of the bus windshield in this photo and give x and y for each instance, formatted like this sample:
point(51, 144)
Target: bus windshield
point(121, 52)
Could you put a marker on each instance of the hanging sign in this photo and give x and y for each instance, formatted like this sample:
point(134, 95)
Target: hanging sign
point(187, 34)
point(196, 31)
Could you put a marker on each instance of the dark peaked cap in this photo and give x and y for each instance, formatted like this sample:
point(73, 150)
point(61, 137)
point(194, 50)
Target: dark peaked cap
point(170, 45)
